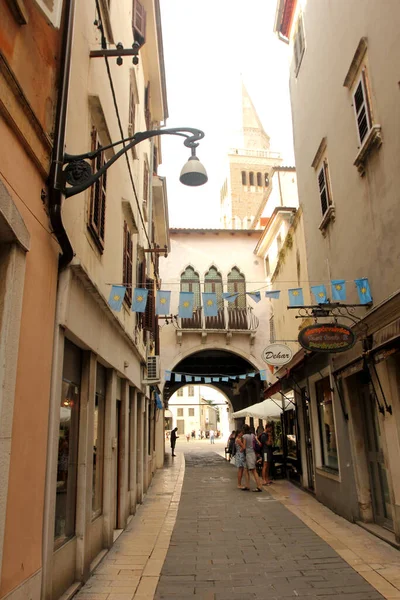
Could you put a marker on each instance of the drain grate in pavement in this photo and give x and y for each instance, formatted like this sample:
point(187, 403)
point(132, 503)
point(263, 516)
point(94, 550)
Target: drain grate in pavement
point(224, 479)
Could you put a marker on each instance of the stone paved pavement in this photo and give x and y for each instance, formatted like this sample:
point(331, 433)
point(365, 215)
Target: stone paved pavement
point(228, 545)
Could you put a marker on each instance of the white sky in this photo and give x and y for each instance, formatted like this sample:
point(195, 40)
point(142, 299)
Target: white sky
point(208, 46)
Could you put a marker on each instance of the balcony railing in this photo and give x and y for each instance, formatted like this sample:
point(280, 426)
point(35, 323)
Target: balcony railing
point(237, 319)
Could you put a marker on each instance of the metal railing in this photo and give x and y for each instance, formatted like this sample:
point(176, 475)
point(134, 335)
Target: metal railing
point(237, 319)
point(256, 153)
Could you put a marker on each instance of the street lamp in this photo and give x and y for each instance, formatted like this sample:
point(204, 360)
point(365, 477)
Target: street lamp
point(78, 173)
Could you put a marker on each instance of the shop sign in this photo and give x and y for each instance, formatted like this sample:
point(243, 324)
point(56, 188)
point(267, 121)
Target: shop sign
point(277, 354)
point(327, 337)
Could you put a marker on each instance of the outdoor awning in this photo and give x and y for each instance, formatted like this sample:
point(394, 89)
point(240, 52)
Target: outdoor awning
point(268, 409)
point(273, 389)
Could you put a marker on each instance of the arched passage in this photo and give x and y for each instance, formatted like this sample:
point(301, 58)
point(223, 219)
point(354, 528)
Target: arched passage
point(213, 362)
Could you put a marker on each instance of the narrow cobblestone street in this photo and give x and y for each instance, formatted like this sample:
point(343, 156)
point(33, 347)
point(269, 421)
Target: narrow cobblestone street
point(230, 544)
point(196, 534)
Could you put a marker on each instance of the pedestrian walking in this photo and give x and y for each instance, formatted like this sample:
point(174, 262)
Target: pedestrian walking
point(230, 445)
point(187, 437)
point(212, 436)
point(174, 436)
point(240, 461)
point(250, 442)
point(267, 441)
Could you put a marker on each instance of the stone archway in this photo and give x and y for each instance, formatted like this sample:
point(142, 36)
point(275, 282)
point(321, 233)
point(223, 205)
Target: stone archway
point(217, 362)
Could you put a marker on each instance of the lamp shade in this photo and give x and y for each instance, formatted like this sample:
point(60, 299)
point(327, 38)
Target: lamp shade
point(193, 173)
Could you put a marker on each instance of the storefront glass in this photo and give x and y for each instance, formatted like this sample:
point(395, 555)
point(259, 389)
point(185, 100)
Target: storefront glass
point(67, 463)
point(98, 455)
point(327, 424)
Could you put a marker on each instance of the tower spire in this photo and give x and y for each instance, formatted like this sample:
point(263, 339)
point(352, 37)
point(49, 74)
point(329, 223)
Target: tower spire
point(254, 136)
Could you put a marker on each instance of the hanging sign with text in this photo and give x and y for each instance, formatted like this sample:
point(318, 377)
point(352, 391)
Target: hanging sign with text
point(277, 354)
point(329, 337)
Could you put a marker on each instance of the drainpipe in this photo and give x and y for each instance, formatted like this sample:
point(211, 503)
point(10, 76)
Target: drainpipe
point(55, 201)
point(56, 175)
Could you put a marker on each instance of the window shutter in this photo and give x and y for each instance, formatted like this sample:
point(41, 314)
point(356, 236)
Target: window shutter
point(361, 109)
point(155, 159)
point(149, 317)
point(97, 205)
point(323, 185)
point(272, 337)
point(141, 283)
point(127, 263)
point(145, 182)
point(52, 9)
point(298, 44)
point(147, 114)
point(139, 22)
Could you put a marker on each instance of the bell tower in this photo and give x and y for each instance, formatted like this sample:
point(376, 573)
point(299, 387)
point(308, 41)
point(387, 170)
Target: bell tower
point(249, 172)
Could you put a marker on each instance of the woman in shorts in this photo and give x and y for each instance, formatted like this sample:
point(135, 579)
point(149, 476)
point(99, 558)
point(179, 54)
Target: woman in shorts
point(249, 442)
point(240, 461)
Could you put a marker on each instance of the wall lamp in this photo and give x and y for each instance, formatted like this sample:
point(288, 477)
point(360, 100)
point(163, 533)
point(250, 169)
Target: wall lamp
point(78, 172)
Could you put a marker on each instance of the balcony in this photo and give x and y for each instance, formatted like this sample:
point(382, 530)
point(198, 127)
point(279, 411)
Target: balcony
point(228, 321)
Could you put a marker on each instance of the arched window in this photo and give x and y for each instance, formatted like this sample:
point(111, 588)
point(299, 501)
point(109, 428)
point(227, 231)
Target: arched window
point(259, 180)
point(266, 179)
point(237, 284)
point(244, 178)
point(251, 178)
point(213, 283)
point(190, 282)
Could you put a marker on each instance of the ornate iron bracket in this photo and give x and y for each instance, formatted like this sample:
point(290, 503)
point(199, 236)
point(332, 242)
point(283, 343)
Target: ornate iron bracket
point(336, 310)
point(78, 173)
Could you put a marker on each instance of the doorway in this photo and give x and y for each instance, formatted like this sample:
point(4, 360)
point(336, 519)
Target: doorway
point(118, 431)
point(381, 504)
point(308, 440)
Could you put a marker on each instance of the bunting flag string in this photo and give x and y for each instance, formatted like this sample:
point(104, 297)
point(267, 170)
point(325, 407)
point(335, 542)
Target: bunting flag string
point(117, 296)
point(211, 378)
point(212, 302)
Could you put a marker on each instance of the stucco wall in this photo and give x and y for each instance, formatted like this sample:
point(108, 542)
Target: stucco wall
point(367, 218)
point(224, 250)
point(23, 533)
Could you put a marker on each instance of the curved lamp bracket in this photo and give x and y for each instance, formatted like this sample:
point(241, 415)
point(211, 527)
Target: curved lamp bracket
point(78, 172)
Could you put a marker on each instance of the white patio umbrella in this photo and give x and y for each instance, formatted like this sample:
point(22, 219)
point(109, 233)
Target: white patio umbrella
point(268, 409)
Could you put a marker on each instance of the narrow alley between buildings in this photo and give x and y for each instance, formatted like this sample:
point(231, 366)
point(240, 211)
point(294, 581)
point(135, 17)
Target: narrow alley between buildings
point(196, 534)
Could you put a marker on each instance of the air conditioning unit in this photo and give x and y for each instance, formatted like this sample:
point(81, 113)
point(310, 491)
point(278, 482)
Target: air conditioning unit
point(153, 370)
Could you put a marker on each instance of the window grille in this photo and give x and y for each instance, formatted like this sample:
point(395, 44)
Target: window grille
point(190, 282)
point(213, 283)
point(237, 284)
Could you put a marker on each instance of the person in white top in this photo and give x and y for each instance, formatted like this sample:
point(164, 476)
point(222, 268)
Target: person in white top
point(212, 436)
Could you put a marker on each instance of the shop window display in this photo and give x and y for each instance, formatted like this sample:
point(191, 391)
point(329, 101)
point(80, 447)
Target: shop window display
point(327, 424)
